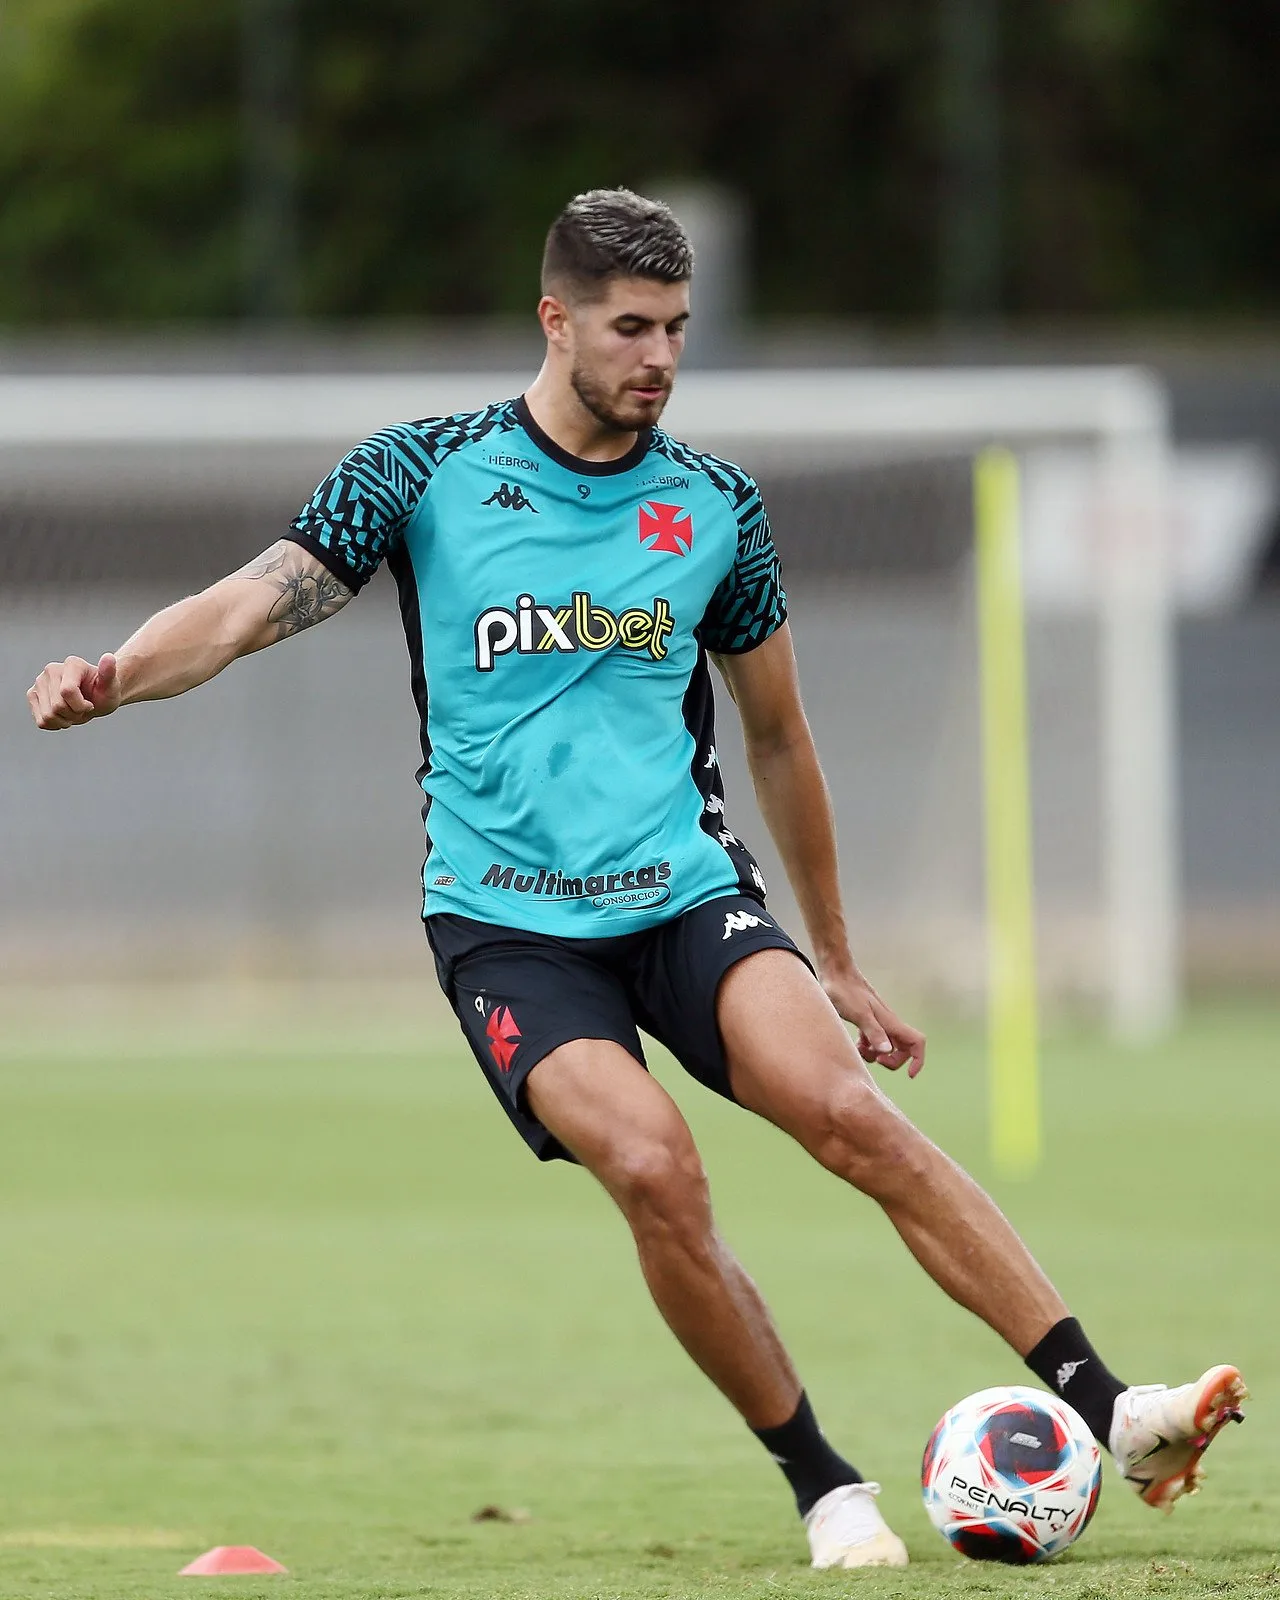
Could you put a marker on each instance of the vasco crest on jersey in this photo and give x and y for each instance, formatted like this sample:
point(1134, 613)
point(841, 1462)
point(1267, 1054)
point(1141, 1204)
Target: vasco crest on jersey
point(666, 528)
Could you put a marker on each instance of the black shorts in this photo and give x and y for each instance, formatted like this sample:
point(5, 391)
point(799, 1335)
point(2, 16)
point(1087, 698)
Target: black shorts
point(520, 995)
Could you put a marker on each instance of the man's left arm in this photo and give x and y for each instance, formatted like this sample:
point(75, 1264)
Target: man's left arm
point(796, 805)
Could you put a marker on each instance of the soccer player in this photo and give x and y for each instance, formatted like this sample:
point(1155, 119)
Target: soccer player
point(566, 573)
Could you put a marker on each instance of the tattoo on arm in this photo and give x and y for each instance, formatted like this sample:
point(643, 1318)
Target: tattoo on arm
point(306, 598)
point(308, 591)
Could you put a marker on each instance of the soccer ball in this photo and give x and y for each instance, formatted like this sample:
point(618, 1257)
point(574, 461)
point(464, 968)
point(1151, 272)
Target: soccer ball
point(1011, 1475)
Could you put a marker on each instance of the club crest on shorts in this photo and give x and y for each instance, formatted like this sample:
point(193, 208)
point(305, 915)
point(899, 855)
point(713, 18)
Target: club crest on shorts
point(503, 1036)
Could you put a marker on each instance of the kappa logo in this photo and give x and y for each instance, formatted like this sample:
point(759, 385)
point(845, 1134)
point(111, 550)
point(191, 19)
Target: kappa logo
point(503, 1036)
point(740, 921)
point(511, 499)
point(533, 629)
point(666, 528)
point(1067, 1371)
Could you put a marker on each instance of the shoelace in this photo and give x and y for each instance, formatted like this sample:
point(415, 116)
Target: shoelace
point(1140, 1391)
point(1147, 1423)
point(854, 1517)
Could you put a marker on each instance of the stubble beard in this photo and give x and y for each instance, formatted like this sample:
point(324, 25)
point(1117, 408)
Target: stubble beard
point(604, 407)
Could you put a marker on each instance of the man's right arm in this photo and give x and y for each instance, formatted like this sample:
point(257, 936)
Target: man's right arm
point(281, 592)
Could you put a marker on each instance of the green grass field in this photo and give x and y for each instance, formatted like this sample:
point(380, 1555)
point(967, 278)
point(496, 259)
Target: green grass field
point(294, 1283)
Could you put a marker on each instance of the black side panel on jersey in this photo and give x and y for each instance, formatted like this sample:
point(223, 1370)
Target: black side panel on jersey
point(400, 566)
point(699, 710)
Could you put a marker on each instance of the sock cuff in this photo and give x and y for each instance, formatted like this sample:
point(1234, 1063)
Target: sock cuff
point(1067, 1363)
point(803, 1414)
point(807, 1460)
point(1066, 1335)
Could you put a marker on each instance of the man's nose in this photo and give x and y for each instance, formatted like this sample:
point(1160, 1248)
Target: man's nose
point(659, 350)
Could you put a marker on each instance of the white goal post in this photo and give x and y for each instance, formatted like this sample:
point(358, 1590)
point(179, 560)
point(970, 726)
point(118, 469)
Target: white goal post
point(1120, 412)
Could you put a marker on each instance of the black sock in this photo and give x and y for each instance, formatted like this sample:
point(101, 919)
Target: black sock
point(811, 1466)
point(1067, 1363)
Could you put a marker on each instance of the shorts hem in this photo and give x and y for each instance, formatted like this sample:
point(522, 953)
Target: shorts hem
point(772, 941)
point(541, 1047)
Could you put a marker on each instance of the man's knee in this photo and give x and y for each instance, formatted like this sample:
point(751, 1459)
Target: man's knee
point(865, 1139)
point(658, 1182)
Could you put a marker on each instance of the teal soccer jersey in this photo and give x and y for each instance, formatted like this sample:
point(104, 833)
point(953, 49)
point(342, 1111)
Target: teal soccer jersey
point(559, 613)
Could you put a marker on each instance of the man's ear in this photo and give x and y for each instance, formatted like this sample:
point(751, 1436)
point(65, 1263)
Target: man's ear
point(553, 314)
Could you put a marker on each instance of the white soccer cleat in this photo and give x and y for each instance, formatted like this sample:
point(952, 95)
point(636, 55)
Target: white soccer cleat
point(846, 1529)
point(1158, 1435)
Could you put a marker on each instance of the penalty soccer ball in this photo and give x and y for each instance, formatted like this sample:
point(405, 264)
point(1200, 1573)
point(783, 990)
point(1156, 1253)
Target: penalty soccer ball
point(1011, 1475)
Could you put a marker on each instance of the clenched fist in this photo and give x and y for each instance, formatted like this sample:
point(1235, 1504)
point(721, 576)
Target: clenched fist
point(68, 693)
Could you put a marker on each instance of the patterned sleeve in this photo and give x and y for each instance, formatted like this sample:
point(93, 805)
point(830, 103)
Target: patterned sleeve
point(361, 508)
point(750, 603)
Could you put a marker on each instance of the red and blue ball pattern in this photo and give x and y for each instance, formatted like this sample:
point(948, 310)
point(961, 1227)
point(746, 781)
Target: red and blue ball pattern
point(1011, 1475)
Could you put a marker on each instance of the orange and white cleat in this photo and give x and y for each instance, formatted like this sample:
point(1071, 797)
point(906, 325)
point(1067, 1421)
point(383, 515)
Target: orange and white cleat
point(1158, 1435)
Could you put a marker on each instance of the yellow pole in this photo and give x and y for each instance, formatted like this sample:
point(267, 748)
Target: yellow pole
point(1013, 1074)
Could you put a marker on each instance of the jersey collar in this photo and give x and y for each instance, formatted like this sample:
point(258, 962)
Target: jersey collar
point(584, 469)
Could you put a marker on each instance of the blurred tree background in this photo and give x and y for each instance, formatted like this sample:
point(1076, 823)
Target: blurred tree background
point(1120, 157)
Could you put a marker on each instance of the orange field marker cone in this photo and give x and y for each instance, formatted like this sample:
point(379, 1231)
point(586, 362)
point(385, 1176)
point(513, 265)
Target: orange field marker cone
point(229, 1559)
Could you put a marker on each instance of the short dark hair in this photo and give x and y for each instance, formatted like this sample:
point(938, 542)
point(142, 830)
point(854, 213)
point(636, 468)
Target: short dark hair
point(613, 233)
